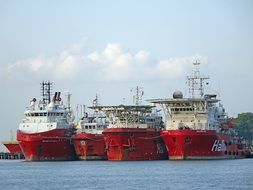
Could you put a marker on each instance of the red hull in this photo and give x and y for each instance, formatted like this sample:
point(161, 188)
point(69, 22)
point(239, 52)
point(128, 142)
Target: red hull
point(134, 144)
point(13, 147)
point(89, 146)
point(54, 145)
point(194, 144)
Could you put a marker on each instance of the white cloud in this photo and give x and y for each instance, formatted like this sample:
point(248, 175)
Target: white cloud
point(68, 65)
point(175, 67)
point(63, 66)
point(117, 64)
point(113, 63)
point(143, 56)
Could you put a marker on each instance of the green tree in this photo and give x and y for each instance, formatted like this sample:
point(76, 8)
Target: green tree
point(244, 126)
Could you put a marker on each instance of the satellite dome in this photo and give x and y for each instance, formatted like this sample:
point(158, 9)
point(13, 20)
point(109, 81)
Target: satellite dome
point(177, 95)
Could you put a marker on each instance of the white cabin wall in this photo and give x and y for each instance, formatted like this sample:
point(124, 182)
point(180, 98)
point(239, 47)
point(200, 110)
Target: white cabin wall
point(187, 120)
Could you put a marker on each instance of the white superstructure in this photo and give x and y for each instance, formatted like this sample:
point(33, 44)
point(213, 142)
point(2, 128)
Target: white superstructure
point(199, 112)
point(46, 115)
point(131, 116)
point(92, 124)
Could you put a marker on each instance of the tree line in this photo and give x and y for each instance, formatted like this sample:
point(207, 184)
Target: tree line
point(244, 126)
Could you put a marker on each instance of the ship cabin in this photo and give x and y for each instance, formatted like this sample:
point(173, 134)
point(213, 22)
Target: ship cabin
point(94, 124)
point(131, 116)
point(192, 113)
point(41, 116)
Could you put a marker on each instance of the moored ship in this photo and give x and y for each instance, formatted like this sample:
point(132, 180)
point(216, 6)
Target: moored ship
point(89, 141)
point(45, 132)
point(12, 146)
point(198, 127)
point(133, 133)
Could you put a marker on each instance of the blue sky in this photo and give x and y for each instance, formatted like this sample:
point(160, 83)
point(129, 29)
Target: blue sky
point(109, 47)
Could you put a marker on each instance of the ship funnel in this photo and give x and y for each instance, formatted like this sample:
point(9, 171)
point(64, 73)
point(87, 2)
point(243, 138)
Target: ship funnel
point(59, 96)
point(55, 96)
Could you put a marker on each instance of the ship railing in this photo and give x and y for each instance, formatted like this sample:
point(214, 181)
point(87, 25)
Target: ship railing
point(119, 125)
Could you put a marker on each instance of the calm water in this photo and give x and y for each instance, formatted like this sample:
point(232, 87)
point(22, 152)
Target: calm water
point(218, 174)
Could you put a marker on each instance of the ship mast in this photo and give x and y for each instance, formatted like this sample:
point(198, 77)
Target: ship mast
point(46, 88)
point(95, 101)
point(137, 98)
point(68, 96)
point(196, 82)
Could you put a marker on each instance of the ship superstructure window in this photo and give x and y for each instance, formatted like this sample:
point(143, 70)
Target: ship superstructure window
point(181, 109)
point(43, 114)
point(55, 114)
point(142, 121)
